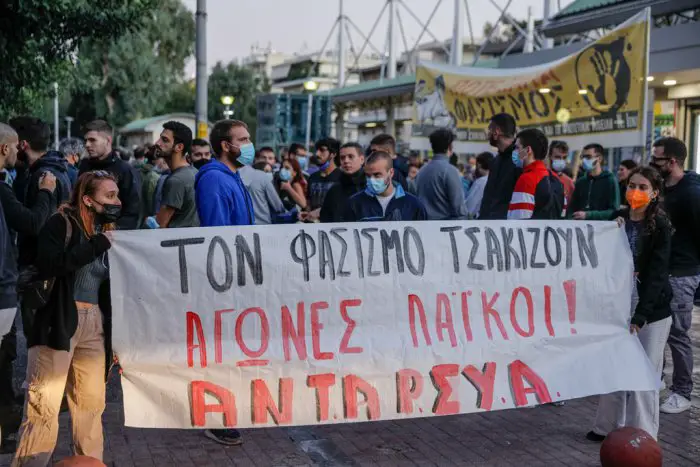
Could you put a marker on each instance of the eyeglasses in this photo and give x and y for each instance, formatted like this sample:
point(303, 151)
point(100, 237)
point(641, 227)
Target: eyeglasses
point(101, 173)
point(660, 159)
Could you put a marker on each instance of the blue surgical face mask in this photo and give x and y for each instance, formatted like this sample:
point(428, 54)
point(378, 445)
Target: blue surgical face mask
point(302, 160)
point(516, 159)
point(558, 165)
point(247, 154)
point(376, 186)
point(285, 175)
point(588, 164)
point(324, 166)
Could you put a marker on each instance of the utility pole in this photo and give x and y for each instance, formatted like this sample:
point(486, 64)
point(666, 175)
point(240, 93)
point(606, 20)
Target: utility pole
point(391, 72)
point(530, 37)
point(548, 41)
point(69, 120)
point(341, 47)
point(55, 115)
point(456, 48)
point(202, 78)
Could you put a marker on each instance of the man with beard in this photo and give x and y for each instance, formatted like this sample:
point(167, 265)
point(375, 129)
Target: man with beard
point(222, 199)
point(200, 154)
point(19, 218)
point(503, 173)
point(98, 143)
point(321, 181)
point(34, 139)
point(682, 203)
point(352, 180)
point(178, 208)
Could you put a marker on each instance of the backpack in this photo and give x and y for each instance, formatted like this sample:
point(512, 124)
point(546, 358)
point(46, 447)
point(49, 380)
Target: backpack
point(549, 198)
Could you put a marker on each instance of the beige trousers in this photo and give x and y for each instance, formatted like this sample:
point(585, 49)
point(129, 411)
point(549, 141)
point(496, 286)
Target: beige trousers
point(80, 372)
point(638, 409)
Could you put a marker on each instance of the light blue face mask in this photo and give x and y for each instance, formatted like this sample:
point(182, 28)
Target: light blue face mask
point(588, 164)
point(285, 175)
point(516, 159)
point(376, 186)
point(247, 154)
point(303, 161)
point(558, 165)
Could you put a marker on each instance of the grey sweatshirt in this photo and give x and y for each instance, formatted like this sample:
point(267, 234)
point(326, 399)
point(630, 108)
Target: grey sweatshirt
point(266, 201)
point(439, 187)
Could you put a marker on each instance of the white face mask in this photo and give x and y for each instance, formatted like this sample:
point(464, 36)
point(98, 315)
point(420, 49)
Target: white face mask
point(558, 165)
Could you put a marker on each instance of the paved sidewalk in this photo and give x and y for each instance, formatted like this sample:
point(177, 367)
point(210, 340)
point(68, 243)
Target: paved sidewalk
point(545, 436)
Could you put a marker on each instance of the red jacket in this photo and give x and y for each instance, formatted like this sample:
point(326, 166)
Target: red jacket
point(530, 195)
point(568, 186)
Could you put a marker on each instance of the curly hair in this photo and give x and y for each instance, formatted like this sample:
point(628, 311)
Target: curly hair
point(655, 209)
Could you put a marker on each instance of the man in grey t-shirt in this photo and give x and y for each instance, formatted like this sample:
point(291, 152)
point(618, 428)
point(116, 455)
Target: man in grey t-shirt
point(178, 207)
point(178, 195)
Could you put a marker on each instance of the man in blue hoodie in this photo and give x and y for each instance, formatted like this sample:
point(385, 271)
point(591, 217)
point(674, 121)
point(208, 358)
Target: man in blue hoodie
point(222, 198)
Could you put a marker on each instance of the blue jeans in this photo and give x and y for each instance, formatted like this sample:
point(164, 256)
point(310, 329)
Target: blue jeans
point(679, 340)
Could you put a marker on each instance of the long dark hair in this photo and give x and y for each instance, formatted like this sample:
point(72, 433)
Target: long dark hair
point(299, 177)
point(655, 209)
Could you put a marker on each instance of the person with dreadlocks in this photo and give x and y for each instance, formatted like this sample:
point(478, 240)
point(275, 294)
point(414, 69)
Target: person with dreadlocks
point(649, 233)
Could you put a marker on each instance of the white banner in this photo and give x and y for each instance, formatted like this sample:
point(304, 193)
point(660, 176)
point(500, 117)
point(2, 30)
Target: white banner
point(308, 324)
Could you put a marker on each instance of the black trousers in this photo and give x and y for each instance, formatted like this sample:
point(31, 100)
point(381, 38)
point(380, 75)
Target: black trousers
point(8, 354)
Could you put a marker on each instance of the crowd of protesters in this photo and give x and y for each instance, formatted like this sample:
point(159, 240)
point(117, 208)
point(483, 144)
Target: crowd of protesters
point(57, 209)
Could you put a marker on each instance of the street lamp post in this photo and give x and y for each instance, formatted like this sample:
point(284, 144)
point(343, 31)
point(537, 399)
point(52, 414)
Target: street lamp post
point(55, 115)
point(228, 102)
point(310, 87)
point(69, 120)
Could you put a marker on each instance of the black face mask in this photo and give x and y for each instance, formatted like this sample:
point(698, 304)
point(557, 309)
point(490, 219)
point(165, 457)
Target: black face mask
point(109, 215)
point(661, 169)
point(200, 163)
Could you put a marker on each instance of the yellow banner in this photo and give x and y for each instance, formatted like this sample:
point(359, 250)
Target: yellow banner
point(597, 90)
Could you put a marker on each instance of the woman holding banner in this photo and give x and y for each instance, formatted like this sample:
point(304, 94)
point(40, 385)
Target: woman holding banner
point(649, 233)
point(69, 337)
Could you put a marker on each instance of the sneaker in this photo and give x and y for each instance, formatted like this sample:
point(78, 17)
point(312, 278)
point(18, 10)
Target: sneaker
point(595, 437)
point(675, 404)
point(225, 437)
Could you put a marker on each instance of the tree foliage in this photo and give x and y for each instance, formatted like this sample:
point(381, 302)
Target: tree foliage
point(39, 40)
point(224, 80)
point(506, 33)
point(239, 82)
point(131, 77)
